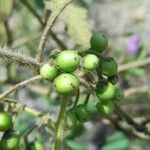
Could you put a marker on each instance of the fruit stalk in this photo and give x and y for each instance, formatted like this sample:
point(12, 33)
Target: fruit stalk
point(60, 124)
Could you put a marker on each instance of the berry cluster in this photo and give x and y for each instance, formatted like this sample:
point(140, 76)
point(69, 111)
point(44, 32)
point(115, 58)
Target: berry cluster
point(62, 73)
point(11, 138)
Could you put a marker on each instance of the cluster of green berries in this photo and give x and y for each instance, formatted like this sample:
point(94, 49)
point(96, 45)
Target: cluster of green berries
point(66, 82)
point(10, 139)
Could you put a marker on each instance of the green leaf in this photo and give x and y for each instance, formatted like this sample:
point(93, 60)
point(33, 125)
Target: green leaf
point(75, 146)
point(77, 27)
point(117, 141)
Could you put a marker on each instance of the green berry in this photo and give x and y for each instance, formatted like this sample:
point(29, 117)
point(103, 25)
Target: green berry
point(99, 42)
point(105, 109)
point(119, 95)
point(11, 142)
point(71, 119)
point(90, 62)
point(105, 91)
point(108, 66)
point(82, 113)
point(68, 60)
point(48, 72)
point(36, 145)
point(5, 121)
point(66, 83)
point(113, 79)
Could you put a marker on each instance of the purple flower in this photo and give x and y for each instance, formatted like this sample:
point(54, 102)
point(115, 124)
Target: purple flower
point(134, 44)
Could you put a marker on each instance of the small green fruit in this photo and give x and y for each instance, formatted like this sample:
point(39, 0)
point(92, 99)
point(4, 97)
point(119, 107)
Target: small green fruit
point(119, 95)
point(11, 142)
point(108, 66)
point(105, 109)
point(105, 91)
point(99, 42)
point(66, 83)
point(82, 113)
point(36, 145)
point(48, 72)
point(68, 60)
point(90, 62)
point(5, 121)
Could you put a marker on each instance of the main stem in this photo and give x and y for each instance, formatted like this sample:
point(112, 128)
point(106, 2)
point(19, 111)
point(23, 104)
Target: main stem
point(60, 124)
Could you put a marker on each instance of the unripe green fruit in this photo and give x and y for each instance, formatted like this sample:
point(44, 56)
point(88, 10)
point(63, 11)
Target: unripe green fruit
point(68, 60)
point(82, 113)
point(105, 91)
point(119, 95)
point(3, 34)
point(113, 79)
point(5, 9)
point(36, 145)
point(48, 72)
point(71, 119)
point(105, 109)
point(5, 121)
point(90, 62)
point(66, 83)
point(108, 66)
point(11, 142)
point(99, 42)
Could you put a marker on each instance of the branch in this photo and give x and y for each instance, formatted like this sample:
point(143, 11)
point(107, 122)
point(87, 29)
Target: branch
point(130, 121)
point(46, 118)
point(133, 90)
point(129, 132)
point(19, 85)
point(53, 17)
point(134, 64)
point(53, 35)
point(13, 57)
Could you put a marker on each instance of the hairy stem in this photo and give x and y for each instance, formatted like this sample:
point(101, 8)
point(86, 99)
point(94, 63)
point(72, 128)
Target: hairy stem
point(60, 124)
point(19, 85)
point(44, 117)
point(14, 57)
point(53, 17)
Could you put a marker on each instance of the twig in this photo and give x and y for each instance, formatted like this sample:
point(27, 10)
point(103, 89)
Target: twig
point(19, 85)
point(46, 118)
point(137, 126)
point(129, 132)
point(53, 17)
point(146, 121)
point(14, 57)
point(33, 11)
point(25, 2)
point(134, 64)
point(130, 91)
